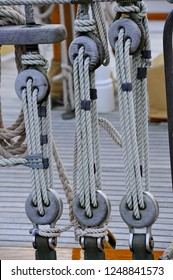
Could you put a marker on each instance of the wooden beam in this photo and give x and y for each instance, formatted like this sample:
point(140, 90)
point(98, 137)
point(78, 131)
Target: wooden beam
point(157, 16)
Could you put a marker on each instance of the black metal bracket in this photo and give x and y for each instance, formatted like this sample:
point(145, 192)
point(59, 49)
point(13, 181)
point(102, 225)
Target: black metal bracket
point(168, 64)
point(139, 251)
point(43, 248)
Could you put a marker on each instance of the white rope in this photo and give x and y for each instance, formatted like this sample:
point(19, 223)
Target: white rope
point(127, 119)
point(34, 126)
point(168, 253)
point(39, 188)
point(33, 2)
point(133, 113)
point(104, 123)
point(95, 25)
point(83, 128)
point(101, 29)
point(86, 153)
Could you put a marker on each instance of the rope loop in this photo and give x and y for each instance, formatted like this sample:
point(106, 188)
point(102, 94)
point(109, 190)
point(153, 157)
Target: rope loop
point(132, 95)
point(126, 9)
point(35, 59)
point(137, 11)
point(88, 25)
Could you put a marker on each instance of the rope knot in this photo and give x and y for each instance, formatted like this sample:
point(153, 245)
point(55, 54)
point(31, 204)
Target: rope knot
point(87, 25)
point(142, 10)
point(35, 60)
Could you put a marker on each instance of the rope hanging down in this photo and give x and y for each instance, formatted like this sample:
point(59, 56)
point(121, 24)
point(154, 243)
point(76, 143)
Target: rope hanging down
point(87, 53)
point(129, 36)
point(132, 93)
point(33, 127)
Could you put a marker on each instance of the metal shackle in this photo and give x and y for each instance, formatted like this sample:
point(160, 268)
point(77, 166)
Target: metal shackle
point(52, 212)
point(91, 50)
point(131, 30)
point(148, 215)
point(99, 214)
point(39, 81)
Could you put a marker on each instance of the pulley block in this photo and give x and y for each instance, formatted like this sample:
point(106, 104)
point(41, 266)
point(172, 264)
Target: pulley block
point(91, 50)
point(39, 82)
point(131, 30)
point(148, 215)
point(52, 212)
point(99, 214)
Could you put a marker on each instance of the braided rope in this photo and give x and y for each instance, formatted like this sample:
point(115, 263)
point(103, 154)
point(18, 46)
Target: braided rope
point(86, 148)
point(92, 232)
point(133, 111)
point(33, 133)
point(40, 2)
point(101, 29)
point(12, 162)
point(51, 232)
point(104, 123)
point(34, 60)
point(95, 25)
point(29, 121)
point(13, 15)
point(128, 125)
point(33, 2)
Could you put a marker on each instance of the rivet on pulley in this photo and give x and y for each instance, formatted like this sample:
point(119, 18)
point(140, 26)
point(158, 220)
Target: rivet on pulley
point(52, 212)
point(38, 81)
point(131, 30)
point(148, 215)
point(99, 214)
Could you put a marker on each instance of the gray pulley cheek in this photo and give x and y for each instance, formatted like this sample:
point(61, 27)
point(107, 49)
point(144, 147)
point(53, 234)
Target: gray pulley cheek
point(148, 215)
point(100, 214)
point(131, 30)
point(91, 50)
point(52, 212)
point(39, 81)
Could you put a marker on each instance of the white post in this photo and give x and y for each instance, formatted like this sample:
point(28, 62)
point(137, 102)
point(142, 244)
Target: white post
point(105, 90)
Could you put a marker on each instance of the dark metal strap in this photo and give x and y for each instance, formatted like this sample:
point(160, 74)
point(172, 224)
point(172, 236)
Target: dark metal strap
point(43, 250)
point(92, 252)
point(139, 251)
point(168, 62)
